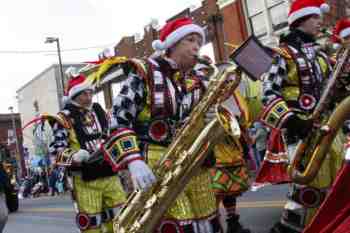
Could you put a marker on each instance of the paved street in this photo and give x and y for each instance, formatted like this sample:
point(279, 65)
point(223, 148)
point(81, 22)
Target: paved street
point(259, 210)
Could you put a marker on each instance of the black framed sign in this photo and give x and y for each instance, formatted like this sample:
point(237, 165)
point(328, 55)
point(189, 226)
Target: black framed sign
point(253, 58)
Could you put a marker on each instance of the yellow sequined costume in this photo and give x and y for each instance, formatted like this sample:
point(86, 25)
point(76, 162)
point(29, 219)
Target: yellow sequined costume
point(153, 102)
point(293, 86)
point(97, 192)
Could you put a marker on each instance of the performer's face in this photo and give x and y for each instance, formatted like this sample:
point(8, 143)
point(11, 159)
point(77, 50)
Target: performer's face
point(312, 25)
point(84, 99)
point(186, 50)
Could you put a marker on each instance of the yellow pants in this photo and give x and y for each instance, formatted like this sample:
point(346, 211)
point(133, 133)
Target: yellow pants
point(97, 202)
point(196, 201)
point(328, 171)
point(324, 179)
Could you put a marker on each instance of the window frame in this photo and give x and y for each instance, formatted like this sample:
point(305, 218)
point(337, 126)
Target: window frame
point(275, 28)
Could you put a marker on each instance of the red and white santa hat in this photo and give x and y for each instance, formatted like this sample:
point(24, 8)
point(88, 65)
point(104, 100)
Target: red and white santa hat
point(341, 30)
point(174, 31)
point(77, 84)
point(302, 8)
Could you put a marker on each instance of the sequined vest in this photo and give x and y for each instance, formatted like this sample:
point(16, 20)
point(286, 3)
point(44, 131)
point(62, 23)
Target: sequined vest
point(308, 70)
point(170, 98)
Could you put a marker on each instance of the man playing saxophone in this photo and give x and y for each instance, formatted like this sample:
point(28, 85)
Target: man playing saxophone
point(291, 91)
point(155, 99)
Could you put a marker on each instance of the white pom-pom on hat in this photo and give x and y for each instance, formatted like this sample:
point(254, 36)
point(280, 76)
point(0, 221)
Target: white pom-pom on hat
point(302, 8)
point(71, 72)
point(325, 8)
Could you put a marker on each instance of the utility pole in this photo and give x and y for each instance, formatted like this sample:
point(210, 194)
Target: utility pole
point(57, 41)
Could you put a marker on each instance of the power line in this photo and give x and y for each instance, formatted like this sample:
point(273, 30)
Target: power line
point(52, 51)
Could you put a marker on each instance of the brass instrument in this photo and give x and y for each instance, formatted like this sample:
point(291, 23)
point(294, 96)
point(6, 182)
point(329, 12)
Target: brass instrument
point(318, 142)
point(145, 208)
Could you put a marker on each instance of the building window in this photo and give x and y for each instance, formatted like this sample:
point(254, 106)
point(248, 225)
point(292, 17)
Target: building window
point(273, 2)
point(277, 11)
point(254, 7)
point(278, 15)
point(258, 25)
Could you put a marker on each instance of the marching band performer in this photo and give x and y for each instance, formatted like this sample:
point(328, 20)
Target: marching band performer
point(229, 172)
point(79, 130)
point(230, 178)
point(157, 96)
point(291, 90)
point(333, 215)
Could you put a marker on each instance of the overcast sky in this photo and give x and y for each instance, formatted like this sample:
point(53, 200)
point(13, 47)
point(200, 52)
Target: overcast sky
point(25, 24)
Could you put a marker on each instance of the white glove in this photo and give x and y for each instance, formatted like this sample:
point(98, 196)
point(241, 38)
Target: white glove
point(141, 175)
point(81, 156)
point(209, 115)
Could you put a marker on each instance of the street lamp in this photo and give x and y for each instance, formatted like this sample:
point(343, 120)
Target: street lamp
point(18, 157)
point(57, 41)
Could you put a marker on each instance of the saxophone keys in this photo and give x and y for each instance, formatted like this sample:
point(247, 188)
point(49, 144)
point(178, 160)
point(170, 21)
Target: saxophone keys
point(181, 158)
point(162, 192)
point(151, 202)
point(144, 218)
point(178, 171)
point(121, 230)
point(168, 177)
point(135, 227)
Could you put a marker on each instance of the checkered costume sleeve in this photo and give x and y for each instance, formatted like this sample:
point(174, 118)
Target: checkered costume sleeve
point(126, 107)
point(276, 110)
point(60, 145)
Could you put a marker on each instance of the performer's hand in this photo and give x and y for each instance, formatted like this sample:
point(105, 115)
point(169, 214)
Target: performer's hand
point(209, 115)
point(81, 156)
point(298, 127)
point(141, 175)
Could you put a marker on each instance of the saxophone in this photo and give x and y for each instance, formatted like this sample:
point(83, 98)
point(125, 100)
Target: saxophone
point(319, 141)
point(145, 208)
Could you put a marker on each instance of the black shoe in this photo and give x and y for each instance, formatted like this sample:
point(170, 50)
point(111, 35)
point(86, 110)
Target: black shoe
point(233, 225)
point(280, 228)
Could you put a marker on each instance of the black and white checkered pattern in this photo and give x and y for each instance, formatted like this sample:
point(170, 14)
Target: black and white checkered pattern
point(60, 139)
point(129, 102)
point(272, 82)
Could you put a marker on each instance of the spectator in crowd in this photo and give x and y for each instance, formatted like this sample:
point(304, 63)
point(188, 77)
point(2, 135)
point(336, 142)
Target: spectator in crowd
point(53, 179)
point(3, 206)
point(60, 181)
point(259, 141)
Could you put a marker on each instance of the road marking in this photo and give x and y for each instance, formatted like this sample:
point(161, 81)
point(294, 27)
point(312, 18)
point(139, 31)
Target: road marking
point(46, 210)
point(261, 204)
point(254, 204)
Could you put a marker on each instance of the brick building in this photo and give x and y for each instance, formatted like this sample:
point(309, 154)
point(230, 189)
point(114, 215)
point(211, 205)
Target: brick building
point(7, 137)
point(223, 20)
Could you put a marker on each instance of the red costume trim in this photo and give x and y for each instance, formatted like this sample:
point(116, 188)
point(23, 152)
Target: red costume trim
point(274, 167)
